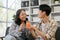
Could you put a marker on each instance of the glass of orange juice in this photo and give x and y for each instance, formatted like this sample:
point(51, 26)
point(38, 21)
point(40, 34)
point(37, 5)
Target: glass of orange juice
point(28, 25)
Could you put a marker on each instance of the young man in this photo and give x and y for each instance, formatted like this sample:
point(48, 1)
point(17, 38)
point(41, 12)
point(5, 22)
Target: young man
point(48, 26)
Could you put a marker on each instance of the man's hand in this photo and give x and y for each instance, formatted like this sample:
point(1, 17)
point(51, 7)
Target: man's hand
point(33, 28)
point(40, 33)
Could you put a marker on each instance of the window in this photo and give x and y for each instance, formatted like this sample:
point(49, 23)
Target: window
point(3, 3)
point(3, 15)
point(11, 13)
point(7, 10)
point(14, 4)
point(2, 29)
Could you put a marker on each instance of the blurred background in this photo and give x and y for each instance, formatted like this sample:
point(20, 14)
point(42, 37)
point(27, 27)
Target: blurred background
point(8, 10)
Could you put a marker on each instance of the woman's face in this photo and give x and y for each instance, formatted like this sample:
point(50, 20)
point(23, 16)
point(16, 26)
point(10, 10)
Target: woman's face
point(22, 15)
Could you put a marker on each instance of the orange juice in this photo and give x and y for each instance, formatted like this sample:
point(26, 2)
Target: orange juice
point(28, 24)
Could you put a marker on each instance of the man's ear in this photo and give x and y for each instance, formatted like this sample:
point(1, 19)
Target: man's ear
point(44, 13)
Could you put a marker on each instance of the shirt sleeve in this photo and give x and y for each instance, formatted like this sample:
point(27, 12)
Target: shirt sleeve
point(13, 31)
point(52, 30)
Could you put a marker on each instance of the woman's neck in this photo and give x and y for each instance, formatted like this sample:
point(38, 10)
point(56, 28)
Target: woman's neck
point(22, 21)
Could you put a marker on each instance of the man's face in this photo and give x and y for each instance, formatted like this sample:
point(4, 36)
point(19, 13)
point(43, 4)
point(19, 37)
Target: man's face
point(40, 14)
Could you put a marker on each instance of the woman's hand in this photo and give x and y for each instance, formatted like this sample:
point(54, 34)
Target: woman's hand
point(21, 27)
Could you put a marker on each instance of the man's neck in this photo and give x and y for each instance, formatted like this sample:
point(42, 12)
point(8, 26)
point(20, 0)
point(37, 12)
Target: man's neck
point(45, 19)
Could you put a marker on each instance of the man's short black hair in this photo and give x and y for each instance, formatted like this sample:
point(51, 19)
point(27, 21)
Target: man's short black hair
point(46, 8)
